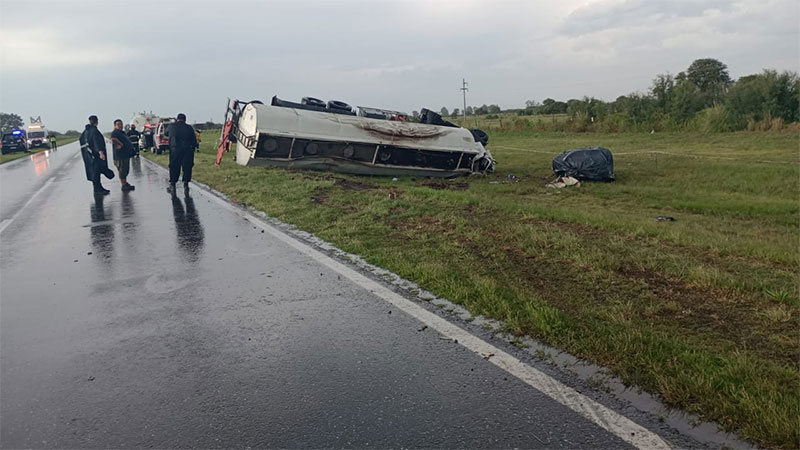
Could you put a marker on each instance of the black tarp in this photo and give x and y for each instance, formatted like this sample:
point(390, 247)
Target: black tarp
point(589, 164)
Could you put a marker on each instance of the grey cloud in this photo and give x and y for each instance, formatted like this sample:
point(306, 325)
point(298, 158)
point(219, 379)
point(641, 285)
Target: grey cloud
point(604, 16)
point(189, 56)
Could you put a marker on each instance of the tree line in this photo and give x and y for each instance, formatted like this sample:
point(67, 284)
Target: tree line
point(703, 98)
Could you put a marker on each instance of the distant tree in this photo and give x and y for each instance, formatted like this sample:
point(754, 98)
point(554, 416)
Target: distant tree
point(72, 133)
point(444, 112)
point(550, 106)
point(661, 90)
point(10, 121)
point(456, 112)
point(469, 110)
point(415, 115)
point(587, 108)
point(711, 79)
point(763, 96)
point(494, 109)
point(531, 103)
point(620, 105)
point(637, 107)
point(483, 109)
point(685, 102)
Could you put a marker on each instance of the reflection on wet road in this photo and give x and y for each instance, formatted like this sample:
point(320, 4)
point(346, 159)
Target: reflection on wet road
point(187, 225)
point(144, 319)
point(21, 177)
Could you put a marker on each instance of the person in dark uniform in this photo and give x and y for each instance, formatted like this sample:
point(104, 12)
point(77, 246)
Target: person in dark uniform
point(93, 150)
point(182, 144)
point(123, 151)
point(133, 135)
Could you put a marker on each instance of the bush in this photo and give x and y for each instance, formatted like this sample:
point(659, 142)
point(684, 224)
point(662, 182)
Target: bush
point(711, 120)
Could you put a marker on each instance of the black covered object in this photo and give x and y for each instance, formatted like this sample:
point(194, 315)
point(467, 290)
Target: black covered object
point(590, 164)
point(432, 118)
point(480, 136)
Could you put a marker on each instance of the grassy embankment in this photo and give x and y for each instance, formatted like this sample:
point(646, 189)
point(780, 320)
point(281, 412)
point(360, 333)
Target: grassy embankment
point(702, 310)
point(12, 156)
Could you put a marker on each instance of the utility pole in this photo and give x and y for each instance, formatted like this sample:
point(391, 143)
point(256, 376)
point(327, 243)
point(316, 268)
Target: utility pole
point(464, 90)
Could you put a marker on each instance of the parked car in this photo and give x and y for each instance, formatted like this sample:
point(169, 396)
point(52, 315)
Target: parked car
point(14, 141)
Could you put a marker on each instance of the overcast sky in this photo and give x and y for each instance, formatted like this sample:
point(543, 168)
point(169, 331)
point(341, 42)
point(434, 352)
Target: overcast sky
point(65, 60)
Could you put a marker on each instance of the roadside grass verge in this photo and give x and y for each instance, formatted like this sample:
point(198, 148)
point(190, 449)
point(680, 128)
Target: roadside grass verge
point(12, 156)
point(702, 310)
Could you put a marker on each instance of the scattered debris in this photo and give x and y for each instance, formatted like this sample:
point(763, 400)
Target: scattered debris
point(424, 327)
point(392, 194)
point(564, 181)
point(665, 219)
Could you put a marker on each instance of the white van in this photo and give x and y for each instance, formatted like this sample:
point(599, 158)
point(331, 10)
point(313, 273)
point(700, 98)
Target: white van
point(37, 134)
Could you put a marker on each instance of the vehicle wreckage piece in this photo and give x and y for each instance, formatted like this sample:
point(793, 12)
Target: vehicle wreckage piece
point(334, 137)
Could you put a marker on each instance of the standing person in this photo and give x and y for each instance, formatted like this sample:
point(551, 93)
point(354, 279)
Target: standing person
point(133, 135)
point(93, 150)
point(123, 151)
point(182, 143)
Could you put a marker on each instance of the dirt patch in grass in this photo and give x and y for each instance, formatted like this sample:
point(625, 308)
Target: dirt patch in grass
point(444, 185)
point(719, 318)
point(320, 195)
point(718, 312)
point(353, 185)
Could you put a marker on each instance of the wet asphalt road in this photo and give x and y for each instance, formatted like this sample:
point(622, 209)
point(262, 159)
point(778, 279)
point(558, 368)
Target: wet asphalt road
point(146, 320)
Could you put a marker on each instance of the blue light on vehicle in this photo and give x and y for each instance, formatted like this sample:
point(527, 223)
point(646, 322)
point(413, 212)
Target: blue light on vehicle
point(16, 132)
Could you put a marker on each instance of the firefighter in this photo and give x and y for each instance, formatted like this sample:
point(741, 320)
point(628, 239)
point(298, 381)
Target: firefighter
point(93, 149)
point(133, 135)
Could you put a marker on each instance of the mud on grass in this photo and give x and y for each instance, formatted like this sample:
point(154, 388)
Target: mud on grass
point(702, 311)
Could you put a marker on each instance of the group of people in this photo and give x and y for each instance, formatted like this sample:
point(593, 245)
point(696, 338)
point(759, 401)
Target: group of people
point(182, 144)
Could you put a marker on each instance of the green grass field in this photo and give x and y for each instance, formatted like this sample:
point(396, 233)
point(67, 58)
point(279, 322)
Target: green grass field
point(17, 155)
point(702, 311)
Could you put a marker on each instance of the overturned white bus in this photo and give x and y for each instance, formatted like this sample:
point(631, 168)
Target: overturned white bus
point(335, 137)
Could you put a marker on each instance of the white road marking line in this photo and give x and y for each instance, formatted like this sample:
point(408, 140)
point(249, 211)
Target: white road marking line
point(7, 222)
point(613, 422)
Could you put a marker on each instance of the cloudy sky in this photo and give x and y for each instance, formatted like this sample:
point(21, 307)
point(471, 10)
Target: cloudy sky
point(64, 60)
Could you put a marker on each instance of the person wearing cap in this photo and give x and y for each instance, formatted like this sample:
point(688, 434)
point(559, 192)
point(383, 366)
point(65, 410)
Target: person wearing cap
point(182, 144)
point(123, 151)
point(93, 150)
